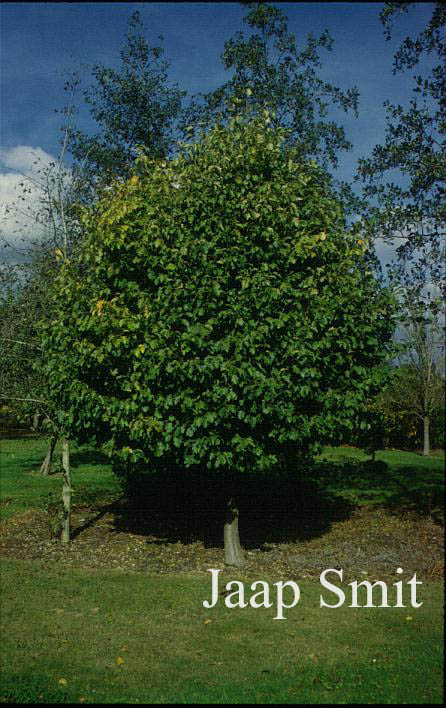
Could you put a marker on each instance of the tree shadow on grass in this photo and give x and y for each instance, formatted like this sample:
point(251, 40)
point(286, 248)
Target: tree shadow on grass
point(190, 506)
point(88, 524)
point(292, 505)
point(398, 488)
point(297, 504)
point(88, 457)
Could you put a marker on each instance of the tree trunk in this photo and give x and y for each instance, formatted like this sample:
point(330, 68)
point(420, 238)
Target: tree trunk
point(233, 550)
point(426, 448)
point(36, 421)
point(45, 467)
point(66, 491)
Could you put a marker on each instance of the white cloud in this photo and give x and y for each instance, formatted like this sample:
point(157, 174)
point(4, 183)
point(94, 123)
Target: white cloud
point(16, 220)
point(22, 171)
point(25, 159)
point(386, 250)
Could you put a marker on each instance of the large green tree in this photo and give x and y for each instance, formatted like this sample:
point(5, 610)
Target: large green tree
point(410, 209)
point(224, 316)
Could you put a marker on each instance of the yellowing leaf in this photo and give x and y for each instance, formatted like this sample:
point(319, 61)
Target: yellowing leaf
point(99, 305)
point(120, 661)
point(207, 621)
point(62, 682)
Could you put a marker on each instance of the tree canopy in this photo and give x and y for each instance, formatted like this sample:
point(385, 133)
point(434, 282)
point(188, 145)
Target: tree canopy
point(223, 316)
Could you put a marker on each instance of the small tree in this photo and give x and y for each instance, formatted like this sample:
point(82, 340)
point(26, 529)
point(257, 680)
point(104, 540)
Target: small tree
point(44, 229)
point(222, 318)
point(419, 386)
point(49, 233)
point(22, 385)
point(22, 382)
point(133, 106)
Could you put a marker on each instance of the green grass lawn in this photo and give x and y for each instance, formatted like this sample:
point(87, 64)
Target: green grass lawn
point(133, 638)
point(90, 636)
point(397, 479)
point(22, 487)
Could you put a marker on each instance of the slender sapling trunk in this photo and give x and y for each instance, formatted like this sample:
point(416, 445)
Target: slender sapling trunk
point(66, 491)
point(45, 468)
point(426, 446)
point(36, 421)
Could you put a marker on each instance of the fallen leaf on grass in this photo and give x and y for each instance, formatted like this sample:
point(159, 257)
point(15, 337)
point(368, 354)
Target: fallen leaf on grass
point(62, 682)
point(120, 661)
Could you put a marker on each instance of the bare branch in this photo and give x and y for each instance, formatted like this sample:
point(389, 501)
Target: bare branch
point(17, 341)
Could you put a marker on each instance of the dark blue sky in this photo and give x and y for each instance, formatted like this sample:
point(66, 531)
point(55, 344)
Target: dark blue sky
point(40, 41)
